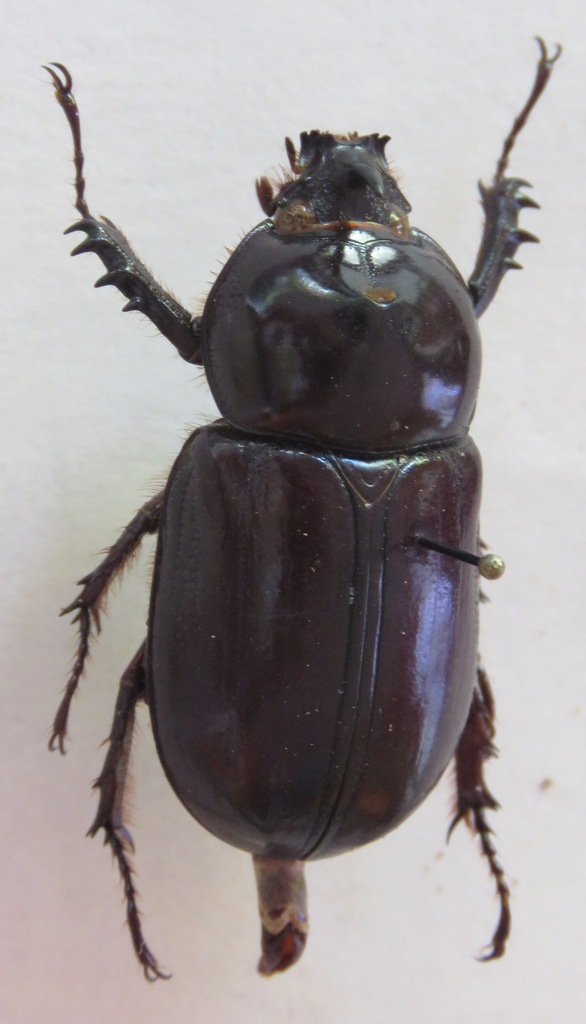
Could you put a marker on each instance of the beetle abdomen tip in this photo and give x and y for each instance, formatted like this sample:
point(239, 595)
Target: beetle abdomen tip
point(282, 902)
point(280, 951)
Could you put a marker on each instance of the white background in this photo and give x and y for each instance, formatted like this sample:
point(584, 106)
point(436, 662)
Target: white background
point(183, 105)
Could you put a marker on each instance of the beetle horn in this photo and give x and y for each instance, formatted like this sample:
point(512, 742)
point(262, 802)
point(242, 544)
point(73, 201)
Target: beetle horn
point(282, 904)
point(380, 142)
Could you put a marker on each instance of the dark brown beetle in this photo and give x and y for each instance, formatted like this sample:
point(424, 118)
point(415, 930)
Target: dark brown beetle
point(311, 659)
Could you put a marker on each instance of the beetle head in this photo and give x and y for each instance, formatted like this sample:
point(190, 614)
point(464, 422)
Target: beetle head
point(338, 179)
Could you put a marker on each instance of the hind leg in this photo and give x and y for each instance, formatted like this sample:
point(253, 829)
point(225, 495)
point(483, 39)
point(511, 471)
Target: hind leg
point(112, 783)
point(473, 798)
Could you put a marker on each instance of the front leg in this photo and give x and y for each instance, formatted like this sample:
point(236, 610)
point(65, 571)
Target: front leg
point(502, 202)
point(144, 293)
point(124, 269)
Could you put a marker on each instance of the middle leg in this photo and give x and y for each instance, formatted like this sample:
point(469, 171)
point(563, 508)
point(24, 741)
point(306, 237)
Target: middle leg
point(88, 604)
point(473, 798)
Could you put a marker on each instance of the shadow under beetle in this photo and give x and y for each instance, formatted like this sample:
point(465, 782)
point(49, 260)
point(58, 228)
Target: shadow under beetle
point(311, 659)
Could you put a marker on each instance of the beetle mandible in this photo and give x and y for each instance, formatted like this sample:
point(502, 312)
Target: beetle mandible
point(311, 660)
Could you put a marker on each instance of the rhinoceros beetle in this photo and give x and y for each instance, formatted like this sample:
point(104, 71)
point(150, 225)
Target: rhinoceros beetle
point(311, 661)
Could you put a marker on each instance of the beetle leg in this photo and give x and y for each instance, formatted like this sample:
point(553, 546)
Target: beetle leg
point(112, 783)
point(474, 798)
point(88, 604)
point(502, 202)
point(500, 240)
point(124, 269)
point(131, 277)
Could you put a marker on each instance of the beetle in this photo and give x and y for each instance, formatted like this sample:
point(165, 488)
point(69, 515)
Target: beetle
point(311, 661)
